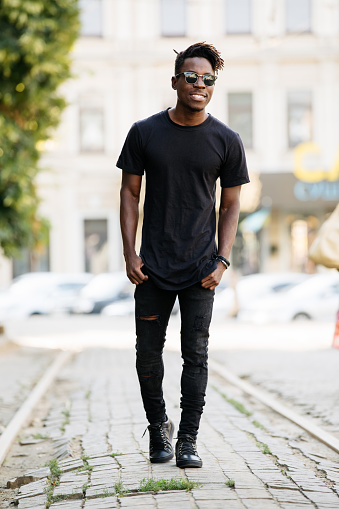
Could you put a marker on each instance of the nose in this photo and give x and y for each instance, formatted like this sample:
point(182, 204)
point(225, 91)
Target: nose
point(199, 83)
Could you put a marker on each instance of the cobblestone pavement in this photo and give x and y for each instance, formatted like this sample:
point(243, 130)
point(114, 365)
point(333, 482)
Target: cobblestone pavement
point(252, 458)
point(308, 380)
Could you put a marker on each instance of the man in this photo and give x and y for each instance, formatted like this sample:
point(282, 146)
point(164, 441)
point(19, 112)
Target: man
point(183, 151)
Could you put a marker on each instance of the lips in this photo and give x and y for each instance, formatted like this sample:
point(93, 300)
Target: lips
point(198, 97)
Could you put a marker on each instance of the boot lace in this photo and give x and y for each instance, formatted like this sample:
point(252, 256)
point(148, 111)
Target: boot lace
point(158, 438)
point(186, 445)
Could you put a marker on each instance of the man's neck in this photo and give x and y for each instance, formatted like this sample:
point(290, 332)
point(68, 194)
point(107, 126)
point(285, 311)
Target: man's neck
point(187, 118)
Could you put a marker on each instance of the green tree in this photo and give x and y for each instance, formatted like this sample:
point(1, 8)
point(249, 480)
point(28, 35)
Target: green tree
point(36, 37)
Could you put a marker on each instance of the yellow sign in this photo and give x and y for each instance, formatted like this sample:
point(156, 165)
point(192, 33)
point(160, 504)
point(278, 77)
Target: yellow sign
point(312, 175)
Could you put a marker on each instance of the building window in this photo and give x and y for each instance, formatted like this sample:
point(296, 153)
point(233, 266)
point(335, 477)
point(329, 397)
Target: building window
point(173, 18)
point(238, 16)
point(91, 17)
point(91, 130)
point(96, 245)
point(298, 16)
point(299, 117)
point(240, 116)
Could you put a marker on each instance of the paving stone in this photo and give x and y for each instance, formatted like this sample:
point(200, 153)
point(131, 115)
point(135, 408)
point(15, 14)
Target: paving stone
point(252, 493)
point(33, 489)
point(260, 504)
point(106, 468)
point(71, 490)
point(220, 504)
point(67, 465)
point(38, 502)
point(102, 503)
point(247, 480)
point(74, 477)
point(99, 461)
point(100, 478)
point(221, 493)
point(289, 496)
point(39, 473)
point(293, 505)
point(67, 504)
point(99, 491)
point(275, 479)
point(323, 499)
point(143, 500)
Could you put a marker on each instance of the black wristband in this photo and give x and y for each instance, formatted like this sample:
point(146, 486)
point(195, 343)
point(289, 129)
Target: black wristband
point(223, 260)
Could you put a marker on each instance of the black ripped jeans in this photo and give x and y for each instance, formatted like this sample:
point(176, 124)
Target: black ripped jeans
point(153, 307)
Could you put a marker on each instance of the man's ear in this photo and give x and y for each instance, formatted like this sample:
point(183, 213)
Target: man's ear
point(174, 82)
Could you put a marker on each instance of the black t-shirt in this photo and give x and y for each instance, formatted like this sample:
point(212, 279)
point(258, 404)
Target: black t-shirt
point(182, 165)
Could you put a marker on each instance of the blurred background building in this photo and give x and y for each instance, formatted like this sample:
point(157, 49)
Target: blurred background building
point(279, 90)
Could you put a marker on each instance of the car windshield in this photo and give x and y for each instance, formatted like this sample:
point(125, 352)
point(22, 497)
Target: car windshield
point(283, 287)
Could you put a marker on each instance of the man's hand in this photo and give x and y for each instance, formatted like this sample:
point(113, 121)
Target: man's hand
point(212, 280)
point(133, 269)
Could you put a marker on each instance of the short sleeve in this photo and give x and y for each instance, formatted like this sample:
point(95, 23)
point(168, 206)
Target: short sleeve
point(234, 170)
point(131, 158)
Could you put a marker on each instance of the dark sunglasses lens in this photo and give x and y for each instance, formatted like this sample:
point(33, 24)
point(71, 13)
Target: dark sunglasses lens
point(209, 80)
point(191, 78)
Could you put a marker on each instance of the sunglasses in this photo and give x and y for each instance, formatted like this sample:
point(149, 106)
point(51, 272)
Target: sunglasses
point(192, 77)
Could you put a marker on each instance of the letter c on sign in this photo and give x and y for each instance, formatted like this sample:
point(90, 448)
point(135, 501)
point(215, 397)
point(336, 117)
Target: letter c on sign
point(316, 175)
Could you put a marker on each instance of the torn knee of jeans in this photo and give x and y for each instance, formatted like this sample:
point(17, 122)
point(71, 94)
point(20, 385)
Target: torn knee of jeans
point(149, 318)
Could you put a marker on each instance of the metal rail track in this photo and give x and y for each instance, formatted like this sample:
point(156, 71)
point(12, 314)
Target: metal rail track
point(17, 422)
point(304, 423)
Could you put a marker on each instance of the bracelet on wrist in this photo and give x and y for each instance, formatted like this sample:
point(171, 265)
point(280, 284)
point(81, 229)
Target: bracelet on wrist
point(223, 260)
point(224, 263)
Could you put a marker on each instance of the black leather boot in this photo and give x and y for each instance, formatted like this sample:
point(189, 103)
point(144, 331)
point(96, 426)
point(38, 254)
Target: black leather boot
point(160, 438)
point(186, 452)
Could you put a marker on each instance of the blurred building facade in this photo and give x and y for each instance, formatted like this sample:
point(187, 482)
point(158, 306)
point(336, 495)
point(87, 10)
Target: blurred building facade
point(279, 90)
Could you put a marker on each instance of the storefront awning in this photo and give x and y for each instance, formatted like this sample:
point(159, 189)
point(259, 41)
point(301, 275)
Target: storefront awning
point(254, 222)
point(287, 193)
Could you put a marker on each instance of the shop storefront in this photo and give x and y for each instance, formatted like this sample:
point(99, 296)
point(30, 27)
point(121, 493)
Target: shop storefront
point(277, 236)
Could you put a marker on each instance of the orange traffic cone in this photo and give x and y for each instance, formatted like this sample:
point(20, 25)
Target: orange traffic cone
point(335, 343)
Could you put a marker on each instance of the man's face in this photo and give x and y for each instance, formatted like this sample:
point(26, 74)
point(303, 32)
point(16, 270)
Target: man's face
point(194, 97)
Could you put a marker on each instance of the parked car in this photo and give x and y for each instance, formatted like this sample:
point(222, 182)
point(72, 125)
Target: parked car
point(316, 298)
point(126, 307)
point(234, 298)
point(101, 291)
point(40, 293)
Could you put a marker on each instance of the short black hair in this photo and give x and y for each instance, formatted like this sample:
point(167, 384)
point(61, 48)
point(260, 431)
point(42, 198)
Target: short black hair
point(199, 49)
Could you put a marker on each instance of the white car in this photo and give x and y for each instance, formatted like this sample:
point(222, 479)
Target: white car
point(238, 295)
point(316, 298)
point(101, 291)
point(40, 293)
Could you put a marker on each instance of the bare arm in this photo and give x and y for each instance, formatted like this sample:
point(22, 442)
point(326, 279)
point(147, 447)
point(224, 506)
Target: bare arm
point(129, 215)
point(227, 228)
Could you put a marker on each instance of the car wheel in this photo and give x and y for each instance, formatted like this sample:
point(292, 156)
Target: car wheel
point(301, 317)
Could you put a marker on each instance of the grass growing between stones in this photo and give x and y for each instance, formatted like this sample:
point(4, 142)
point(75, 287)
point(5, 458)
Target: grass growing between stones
point(258, 425)
point(119, 489)
point(263, 447)
point(87, 467)
point(154, 485)
point(230, 483)
point(66, 420)
point(40, 436)
point(53, 480)
point(166, 485)
point(239, 406)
